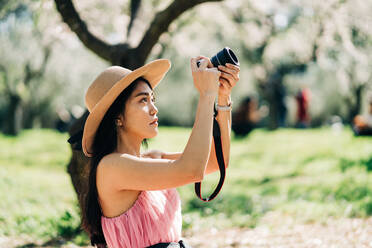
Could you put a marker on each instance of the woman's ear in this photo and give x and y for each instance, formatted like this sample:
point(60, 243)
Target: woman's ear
point(118, 122)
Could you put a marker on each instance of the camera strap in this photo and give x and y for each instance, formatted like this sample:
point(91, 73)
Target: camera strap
point(220, 160)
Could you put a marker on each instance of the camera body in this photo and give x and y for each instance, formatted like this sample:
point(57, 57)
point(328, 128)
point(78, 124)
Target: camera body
point(226, 55)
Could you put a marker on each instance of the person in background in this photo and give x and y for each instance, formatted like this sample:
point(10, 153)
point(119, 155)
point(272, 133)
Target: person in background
point(362, 125)
point(302, 99)
point(246, 118)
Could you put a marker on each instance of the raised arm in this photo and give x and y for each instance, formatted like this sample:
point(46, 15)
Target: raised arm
point(228, 79)
point(224, 121)
point(126, 171)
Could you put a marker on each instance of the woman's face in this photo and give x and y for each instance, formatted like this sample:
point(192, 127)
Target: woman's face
point(140, 112)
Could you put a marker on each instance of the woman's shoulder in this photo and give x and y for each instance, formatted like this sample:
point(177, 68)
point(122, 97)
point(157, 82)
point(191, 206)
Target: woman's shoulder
point(115, 159)
point(106, 168)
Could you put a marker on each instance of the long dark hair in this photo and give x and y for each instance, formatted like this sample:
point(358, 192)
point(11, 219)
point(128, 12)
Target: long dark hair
point(104, 143)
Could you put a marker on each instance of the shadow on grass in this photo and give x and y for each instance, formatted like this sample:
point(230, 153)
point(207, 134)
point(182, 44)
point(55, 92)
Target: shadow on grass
point(68, 228)
point(55, 242)
point(316, 157)
point(249, 208)
point(345, 164)
point(269, 179)
point(229, 204)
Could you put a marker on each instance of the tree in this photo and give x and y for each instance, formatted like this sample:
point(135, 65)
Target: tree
point(270, 75)
point(284, 38)
point(122, 54)
point(22, 71)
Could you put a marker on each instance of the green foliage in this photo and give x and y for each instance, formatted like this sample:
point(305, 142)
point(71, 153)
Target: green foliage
point(37, 68)
point(68, 225)
point(263, 34)
point(364, 163)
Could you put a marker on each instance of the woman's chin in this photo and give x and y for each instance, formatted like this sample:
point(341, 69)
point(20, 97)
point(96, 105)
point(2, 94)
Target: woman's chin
point(153, 134)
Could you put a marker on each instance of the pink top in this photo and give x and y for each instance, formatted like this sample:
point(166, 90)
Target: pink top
point(154, 218)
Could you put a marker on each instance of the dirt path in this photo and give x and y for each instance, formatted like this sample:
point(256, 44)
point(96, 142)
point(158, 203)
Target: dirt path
point(284, 232)
point(273, 231)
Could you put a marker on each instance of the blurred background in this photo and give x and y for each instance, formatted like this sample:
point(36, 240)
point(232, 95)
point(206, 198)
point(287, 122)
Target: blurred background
point(301, 152)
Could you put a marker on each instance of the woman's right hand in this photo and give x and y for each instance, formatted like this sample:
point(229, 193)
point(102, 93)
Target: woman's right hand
point(206, 80)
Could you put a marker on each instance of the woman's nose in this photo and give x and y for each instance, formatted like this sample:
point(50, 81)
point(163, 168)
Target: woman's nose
point(154, 109)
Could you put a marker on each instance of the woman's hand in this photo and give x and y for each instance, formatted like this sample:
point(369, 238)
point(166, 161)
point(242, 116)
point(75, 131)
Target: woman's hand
point(205, 79)
point(153, 154)
point(228, 79)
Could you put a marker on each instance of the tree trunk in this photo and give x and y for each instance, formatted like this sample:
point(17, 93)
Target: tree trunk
point(275, 93)
point(356, 107)
point(14, 115)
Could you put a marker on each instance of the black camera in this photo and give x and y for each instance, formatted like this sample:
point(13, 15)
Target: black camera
point(224, 56)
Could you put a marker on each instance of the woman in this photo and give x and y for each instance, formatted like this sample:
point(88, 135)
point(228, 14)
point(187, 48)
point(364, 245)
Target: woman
point(132, 201)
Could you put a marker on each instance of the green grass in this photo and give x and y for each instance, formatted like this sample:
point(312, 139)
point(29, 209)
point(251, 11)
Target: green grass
point(308, 174)
point(38, 199)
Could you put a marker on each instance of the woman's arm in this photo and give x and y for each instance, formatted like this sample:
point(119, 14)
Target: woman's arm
point(156, 174)
point(229, 78)
point(212, 165)
point(171, 155)
point(224, 121)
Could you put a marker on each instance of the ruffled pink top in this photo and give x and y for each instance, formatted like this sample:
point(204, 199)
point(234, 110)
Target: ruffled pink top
point(154, 218)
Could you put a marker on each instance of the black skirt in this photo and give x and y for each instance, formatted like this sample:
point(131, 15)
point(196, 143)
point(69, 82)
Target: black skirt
point(179, 244)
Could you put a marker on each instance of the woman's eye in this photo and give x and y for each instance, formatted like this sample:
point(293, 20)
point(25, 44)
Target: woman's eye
point(145, 99)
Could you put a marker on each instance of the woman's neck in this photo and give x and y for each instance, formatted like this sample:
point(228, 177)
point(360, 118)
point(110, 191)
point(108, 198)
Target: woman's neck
point(129, 143)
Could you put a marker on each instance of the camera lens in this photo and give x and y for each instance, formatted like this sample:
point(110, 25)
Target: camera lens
point(224, 56)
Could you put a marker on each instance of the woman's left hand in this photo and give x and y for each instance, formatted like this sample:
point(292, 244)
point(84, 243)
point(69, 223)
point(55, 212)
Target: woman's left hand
point(229, 76)
point(228, 79)
point(153, 154)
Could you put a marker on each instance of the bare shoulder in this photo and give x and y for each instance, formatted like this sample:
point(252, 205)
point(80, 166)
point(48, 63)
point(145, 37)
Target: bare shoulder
point(105, 165)
point(115, 159)
point(114, 163)
point(125, 171)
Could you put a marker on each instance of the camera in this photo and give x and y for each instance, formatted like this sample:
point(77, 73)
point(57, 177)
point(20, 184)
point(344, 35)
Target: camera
point(226, 55)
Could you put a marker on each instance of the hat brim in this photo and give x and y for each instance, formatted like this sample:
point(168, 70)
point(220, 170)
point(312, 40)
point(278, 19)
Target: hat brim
point(154, 72)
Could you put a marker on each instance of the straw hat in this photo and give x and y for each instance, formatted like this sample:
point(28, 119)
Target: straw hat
point(108, 86)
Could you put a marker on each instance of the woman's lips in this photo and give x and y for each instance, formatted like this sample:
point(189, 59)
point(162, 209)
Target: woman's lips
point(155, 122)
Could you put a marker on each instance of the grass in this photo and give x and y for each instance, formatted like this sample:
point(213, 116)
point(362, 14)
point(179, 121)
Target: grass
point(308, 174)
point(38, 199)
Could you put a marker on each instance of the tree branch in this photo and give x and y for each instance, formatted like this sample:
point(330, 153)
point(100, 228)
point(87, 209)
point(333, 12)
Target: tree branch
point(134, 8)
point(70, 16)
point(30, 73)
point(162, 21)
point(122, 54)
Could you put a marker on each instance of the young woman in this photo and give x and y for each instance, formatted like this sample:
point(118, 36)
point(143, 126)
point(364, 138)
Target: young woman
point(132, 200)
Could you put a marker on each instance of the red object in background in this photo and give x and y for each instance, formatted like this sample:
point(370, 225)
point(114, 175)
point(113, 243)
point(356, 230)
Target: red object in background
point(303, 98)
